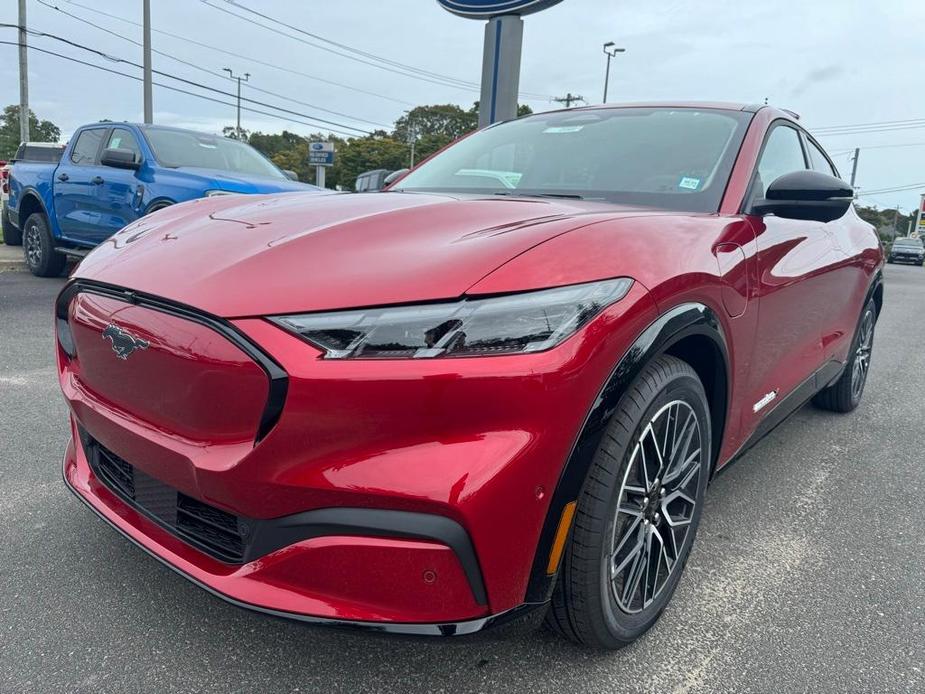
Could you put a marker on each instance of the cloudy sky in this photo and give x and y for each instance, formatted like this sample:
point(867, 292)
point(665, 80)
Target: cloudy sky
point(835, 62)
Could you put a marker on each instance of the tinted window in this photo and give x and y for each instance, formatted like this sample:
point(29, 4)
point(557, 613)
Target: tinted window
point(782, 155)
point(123, 139)
point(41, 154)
point(177, 148)
point(87, 146)
point(817, 159)
point(672, 158)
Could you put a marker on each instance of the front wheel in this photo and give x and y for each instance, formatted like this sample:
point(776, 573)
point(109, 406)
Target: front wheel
point(638, 511)
point(39, 248)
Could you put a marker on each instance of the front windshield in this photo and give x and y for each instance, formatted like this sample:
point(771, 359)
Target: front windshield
point(674, 158)
point(912, 243)
point(176, 148)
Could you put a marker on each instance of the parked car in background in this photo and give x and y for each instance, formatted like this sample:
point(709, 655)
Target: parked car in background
point(371, 181)
point(498, 389)
point(27, 151)
point(907, 250)
point(111, 174)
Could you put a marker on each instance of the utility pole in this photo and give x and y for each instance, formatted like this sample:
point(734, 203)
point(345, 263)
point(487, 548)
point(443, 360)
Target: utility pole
point(854, 165)
point(895, 219)
point(23, 76)
point(240, 79)
point(610, 51)
point(412, 139)
point(146, 49)
point(568, 99)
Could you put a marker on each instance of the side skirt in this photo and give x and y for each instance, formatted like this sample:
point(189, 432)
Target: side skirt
point(827, 375)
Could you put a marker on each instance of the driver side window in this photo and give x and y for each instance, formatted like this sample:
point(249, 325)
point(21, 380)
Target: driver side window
point(782, 154)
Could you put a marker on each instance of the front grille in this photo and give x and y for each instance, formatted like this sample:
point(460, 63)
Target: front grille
point(219, 534)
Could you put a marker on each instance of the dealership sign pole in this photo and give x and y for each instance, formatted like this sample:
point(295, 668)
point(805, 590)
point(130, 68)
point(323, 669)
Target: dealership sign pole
point(321, 155)
point(501, 53)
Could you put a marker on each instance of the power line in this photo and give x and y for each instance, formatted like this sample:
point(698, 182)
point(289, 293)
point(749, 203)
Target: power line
point(189, 82)
point(873, 123)
point(354, 54)
point(441, 81)
point(896, 189)
point(212, 72)
point(174, 89)
point(234, 54)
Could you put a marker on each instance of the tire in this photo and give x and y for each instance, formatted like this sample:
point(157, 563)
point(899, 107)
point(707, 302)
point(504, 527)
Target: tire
point(615, 515)
point(889, 260)
point(156, 207)
point(11, 235)
point(845, 394)
point(39, 248)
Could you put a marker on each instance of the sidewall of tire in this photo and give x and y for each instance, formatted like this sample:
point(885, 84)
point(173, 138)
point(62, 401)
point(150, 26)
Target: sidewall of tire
point(628, 627)
point(601, 622)
point(52, 262)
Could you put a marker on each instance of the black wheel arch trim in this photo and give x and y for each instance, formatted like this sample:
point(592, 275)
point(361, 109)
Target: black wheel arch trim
point(667, 330)
point(27, 193)
point(278, 378)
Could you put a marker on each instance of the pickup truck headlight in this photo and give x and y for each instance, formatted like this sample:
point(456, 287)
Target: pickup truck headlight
point(510, 324)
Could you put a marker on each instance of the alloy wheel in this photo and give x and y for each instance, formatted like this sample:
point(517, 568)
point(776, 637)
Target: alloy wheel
point(33, 245)
point(862, 355)
point(656, 504)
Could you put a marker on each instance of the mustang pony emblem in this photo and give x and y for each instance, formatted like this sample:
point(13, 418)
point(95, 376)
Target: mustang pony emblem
point(123, 342)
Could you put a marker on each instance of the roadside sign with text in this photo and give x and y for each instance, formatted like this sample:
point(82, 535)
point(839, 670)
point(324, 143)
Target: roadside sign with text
point(321, 153)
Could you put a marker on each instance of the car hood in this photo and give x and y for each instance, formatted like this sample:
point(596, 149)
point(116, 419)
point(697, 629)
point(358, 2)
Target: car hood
point(236, 256)
point(219, 179)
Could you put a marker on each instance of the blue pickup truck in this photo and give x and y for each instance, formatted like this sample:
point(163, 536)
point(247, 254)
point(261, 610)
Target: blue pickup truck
point(113, 173)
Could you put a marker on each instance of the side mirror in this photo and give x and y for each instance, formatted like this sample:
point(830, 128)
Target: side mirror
point(809, 195)
point(394, 176)
point(291, 175)
point(119, 158)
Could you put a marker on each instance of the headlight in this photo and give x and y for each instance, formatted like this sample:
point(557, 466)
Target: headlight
point(509, 324)
point(213, 193)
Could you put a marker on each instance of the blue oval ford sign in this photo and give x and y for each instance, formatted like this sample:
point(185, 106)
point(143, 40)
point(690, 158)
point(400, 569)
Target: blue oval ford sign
point(485, 9)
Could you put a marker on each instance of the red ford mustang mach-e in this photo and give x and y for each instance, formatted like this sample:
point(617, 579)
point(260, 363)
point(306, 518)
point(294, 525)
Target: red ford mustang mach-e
point(499, 389)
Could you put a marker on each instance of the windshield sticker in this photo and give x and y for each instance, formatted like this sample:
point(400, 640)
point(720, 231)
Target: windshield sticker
point(563, 129)
point(689, 183)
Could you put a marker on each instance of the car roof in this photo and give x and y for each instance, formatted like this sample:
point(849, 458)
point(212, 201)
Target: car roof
point(700, 105)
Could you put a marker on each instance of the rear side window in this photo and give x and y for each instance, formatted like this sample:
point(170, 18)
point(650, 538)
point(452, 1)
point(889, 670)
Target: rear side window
point(42, 154)
point(123, 139)
point(782, 154)
point(817, 159)
point(87, 146)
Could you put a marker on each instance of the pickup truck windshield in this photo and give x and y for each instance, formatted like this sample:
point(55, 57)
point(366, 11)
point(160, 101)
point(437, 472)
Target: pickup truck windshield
point(673, 158)
point(176, 148)
point(908, 243)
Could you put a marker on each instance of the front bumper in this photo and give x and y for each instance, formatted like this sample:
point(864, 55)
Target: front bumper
point(475, 445)
point(119, 520)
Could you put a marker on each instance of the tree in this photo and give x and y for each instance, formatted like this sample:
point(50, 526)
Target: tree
point(448, 120)
point(365, 154)
point(39, 131)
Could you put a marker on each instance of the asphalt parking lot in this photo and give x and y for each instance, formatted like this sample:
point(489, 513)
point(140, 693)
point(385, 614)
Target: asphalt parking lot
point(808, 574)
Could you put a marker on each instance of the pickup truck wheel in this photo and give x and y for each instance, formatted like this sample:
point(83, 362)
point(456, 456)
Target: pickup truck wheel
point(39, 248)
point(11, 235)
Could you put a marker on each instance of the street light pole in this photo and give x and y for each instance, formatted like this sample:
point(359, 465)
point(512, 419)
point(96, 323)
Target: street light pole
point(610, 50)
point(146, 61)
point(240, 79)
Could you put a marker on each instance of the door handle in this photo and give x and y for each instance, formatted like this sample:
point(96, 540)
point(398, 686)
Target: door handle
point(63, 176)
point(96, 180)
